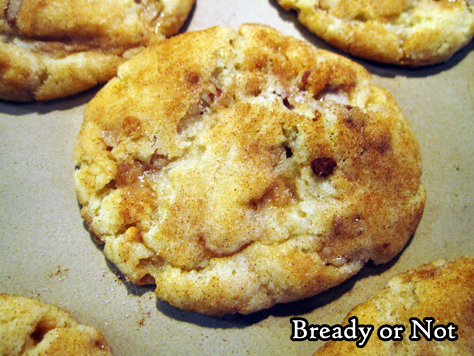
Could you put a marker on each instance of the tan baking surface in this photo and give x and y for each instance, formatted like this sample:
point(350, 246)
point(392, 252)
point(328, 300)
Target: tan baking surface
point(46, 252)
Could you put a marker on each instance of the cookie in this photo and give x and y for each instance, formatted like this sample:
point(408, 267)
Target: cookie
point(30, 327)
point(413, 33)
point(56, 48)
point(440, 290)
point(240, 168)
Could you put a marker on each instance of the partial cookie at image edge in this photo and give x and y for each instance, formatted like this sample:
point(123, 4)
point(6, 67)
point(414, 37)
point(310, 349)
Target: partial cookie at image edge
point(29, 326)
point(56, 49)
point(442, 290)
point(393, 32)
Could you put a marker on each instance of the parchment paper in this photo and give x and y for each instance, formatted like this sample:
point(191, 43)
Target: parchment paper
point(47, 252)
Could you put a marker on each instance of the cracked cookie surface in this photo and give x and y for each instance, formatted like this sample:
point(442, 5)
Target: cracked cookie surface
point(404, 32)
point(56, 48)
point(30, 327)
point(237, 169)
point(441, 290)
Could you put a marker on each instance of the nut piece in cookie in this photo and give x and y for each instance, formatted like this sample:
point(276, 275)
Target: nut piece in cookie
point(441, 290)
point(237, 169)
point(30, 327)
point(56, 48)
point(404, 32)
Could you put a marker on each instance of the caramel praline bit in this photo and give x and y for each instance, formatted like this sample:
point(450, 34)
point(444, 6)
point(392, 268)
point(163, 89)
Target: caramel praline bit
point(323, 167)
point(287, 104)
point(304, 78)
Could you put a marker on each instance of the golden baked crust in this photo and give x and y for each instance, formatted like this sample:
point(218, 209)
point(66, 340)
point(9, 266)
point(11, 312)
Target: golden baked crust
point(208, 167)
point(30, 327)
point(56, 48)
point(406, 32)
point(441, 290)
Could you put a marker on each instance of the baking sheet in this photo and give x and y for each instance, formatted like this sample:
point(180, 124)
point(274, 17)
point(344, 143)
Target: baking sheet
point(47, 252)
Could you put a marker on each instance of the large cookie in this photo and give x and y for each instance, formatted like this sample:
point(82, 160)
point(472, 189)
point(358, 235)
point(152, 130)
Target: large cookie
point(440, 290)
point(237, 169)
point(30, 327)
point(55, 48)
point(403, 32)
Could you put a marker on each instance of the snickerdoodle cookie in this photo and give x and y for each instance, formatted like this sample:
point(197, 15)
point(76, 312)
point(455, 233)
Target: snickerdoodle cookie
point(237, 169)
point(30, 327)
point(441, 291)
point(55, 48)
point(406, 32)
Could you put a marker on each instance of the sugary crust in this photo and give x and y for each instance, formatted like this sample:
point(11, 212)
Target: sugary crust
point(208, 167)
point(56, 48)
point(30, 327)
point(441, 290)
point(405, 32)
